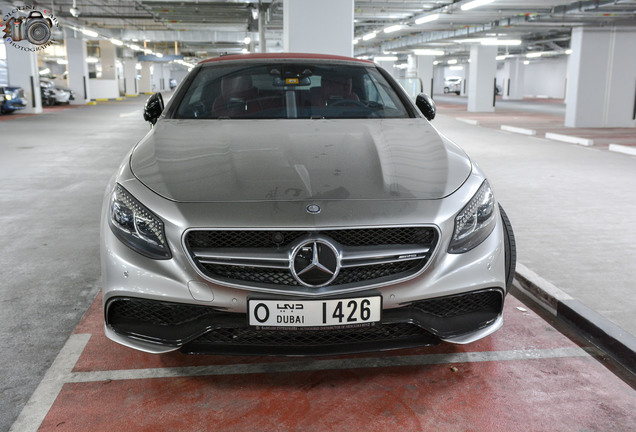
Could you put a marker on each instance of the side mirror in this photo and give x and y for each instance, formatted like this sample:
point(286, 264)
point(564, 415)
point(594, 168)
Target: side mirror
point(153, 108)
point(426, 104)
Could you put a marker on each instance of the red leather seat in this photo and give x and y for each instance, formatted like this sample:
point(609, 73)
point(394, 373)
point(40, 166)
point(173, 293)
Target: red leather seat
point(332, 90)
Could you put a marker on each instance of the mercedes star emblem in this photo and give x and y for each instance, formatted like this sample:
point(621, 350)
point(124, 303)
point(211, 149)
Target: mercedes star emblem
point(315, 263)
point(313, 208)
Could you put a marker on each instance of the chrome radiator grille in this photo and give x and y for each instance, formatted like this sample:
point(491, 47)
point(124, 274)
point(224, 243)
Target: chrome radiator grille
point(263, 259)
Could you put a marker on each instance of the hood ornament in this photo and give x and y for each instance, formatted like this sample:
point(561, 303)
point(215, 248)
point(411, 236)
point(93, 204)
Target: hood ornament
point(313, 209)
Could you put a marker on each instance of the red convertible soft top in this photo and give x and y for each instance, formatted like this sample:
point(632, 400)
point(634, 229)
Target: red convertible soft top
point(283, 56)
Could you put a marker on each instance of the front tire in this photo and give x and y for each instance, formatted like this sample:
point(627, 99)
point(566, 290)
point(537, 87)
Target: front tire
point(510, 247)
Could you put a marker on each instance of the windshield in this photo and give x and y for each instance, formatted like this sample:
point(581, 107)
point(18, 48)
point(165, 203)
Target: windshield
point(289, 90)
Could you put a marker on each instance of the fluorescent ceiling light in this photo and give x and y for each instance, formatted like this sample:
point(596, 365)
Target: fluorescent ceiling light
point(138, 66)
point(45, 71)
point(435, 63)
point(90, 33)
point(116, 42)
point(247, 40)
point(159, 55)
point(501, 42)
point(245, 51)
point(568, 51)
point(385, 58)
point(135, 47)
point(455, 68)
point(428, 52)
point(369, 36)
point(534, 55)
point(526, 62)
point(401, 66)
point(355, 41)
point(474, 4)
point(393, 28)
point(91, 60)
point(452, 61)
point(426, 18)
point(62, 62)
point(469, 40)
point(501, 57)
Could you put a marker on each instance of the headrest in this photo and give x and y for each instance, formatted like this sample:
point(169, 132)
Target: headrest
point(335, 86)
point(235, 85)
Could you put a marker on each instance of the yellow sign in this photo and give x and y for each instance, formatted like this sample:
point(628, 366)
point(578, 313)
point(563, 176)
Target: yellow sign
point(291, 81)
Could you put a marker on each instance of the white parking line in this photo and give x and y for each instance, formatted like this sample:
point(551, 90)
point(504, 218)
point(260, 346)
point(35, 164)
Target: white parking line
point(569, 139)
point(131, 114)
point(518, 130)
point(61, 372)
point(45, 394)
point(336, 364)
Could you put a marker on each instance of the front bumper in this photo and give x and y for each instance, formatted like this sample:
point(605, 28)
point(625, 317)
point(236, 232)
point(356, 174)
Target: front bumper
point(14, 105)
point(203, 329)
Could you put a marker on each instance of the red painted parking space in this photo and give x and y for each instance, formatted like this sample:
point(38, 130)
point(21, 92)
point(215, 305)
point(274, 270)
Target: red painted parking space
point(526, 377)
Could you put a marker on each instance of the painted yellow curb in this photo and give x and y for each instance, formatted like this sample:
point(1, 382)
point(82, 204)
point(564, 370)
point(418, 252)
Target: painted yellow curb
point(131, 95)
point(91, 103)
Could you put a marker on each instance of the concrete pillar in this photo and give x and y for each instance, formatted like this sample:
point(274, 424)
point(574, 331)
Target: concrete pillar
point(323, 27)
point(601, 89)
point(107, 58)
point(77, 66)
point(145, 84)
point(465, 73)
point(157, 74)
point(262, 43)
point(22, 68)
point(389, 67)
point(167, 74)
point(481, 78)
point(131, 87)
point(513, 79)
point(425, 72)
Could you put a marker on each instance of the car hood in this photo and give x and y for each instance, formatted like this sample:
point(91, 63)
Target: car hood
point(298, 160)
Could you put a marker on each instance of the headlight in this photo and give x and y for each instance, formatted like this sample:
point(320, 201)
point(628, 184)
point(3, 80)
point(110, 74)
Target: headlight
point(475, 222)
point(7, 96)
point(136, 226)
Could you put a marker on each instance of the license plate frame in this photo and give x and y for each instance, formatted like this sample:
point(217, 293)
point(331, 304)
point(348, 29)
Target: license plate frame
point(311, 314)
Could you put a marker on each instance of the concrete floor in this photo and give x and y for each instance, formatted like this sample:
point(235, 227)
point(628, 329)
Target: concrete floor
point(571, 208)
point(53, 171)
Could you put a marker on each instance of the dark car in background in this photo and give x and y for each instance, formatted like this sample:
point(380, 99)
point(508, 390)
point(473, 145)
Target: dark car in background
point(11, 99)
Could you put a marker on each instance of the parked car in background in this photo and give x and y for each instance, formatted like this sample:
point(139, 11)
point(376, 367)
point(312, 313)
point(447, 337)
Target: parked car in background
point(173, 83)
point(47, 93)
point(453, 84)
point(53, 94)
point(299, 204)
point(11, 99)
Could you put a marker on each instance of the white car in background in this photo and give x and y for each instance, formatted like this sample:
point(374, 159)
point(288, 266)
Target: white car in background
point(453, 84)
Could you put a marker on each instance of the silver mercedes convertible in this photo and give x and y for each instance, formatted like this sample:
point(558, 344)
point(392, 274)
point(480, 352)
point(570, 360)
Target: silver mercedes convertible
point(299, 204)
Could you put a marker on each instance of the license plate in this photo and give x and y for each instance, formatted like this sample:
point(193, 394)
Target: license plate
point(351, 312)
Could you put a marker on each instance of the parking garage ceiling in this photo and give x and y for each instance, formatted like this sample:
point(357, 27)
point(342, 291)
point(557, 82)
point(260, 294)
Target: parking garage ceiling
point(203, 29)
